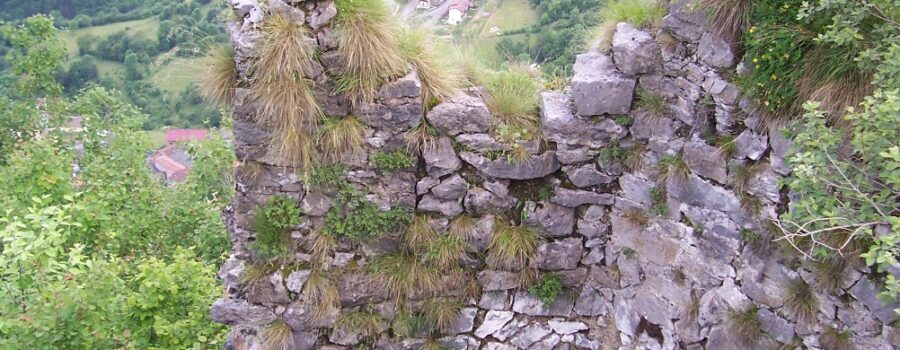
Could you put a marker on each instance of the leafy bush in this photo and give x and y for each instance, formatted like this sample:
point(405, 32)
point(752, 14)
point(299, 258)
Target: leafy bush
point(351, 214)
point(547, 288)
point(272, 225)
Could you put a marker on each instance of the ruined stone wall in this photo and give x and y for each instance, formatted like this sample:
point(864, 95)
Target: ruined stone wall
point(643, 217)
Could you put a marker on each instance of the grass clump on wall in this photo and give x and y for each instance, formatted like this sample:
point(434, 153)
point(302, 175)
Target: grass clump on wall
point(368, 43)
point(219, 81)
point(512, 246)
point(440, 78)
point(339, 137)
point(512, 96)
point(272, 223)
point(282, 93)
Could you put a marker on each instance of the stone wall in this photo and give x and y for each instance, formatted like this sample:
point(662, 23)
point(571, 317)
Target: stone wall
point(644, 218)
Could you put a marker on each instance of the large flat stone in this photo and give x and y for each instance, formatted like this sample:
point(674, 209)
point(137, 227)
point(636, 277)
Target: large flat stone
point(560, 124)
point(598, 88)
point(534, 168)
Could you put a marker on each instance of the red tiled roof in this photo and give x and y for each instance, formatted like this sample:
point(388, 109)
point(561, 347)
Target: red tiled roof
point(461, 5)
point(178, 135)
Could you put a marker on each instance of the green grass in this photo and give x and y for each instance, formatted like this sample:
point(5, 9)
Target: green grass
point(144, 28)
point(176, 74)
point(745, 326)
point(513, 97)
point(157, 138)
point(639, 13)
point(512, 246)
point(510, 15)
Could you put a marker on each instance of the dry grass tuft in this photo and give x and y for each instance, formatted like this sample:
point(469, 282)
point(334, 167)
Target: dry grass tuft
point(741, 174)
point(320, 246)
point(219, 81)
point(277, 336)
point(368, 43)
point(340, 137)
point(745, 327)
point(419, 233)
point(463, 226)
point(634, 161)
point(834, 339)
point(441, 312)
point(636, 216)
point(512, 246)
point(604, 36)
point(321, 291)
point(365, 323)
point(296, 148)
point(404, 276)
point(653, 105)
point(440, 79)
point(253, 274)
point(280, 86)
point(729, 18)
point(800, 300)
point(445, 251)
point(829, 272)
point(512, 95)
point(420, 137)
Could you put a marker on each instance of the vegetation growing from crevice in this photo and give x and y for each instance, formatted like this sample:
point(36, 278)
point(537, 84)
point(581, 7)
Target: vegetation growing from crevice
point(446, 251)
point(441, 312)
point(547, 288)
point(653, 105)
point(339, 137)
point(673, 167)
point(282, 92)
point(404, 276)
point(219, 81)
point(834, 339)
point(801, 301)
point(511, 246)
point(367, 324)
point(272, 225)
point(745, 327)
point(440, 79)
point(351, 214)
point(658, 197)
point(277, 336)
point(390, 161)
point(321, 291)
point(368, 41)
point(512, 96)
point(728, 18)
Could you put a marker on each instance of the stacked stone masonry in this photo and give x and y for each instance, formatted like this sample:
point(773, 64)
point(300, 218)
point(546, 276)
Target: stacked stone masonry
point(666, 282)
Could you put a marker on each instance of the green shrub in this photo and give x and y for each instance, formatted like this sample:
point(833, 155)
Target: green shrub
point(750, 236)
point(365, 221)
point(547, 288)
point(272, 225)
point(660, 207)
point(392, 160)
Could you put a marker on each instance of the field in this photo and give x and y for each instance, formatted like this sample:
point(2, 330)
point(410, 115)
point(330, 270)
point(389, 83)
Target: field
point(175, 74)
point(511, 15)
point(145, 28)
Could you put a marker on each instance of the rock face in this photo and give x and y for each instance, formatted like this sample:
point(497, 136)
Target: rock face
point(598, 88)
point(635, 219)
point(635, 51)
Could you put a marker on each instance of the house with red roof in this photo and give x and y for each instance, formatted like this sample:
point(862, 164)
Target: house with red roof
point(171, 163)
point(185, 135)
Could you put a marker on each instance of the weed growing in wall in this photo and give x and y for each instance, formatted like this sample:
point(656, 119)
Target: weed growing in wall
point(272, 224)
point(390, 161)
point(547, 288)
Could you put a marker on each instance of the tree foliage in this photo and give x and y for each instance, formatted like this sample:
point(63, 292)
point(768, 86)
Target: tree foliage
point(96, 252)
point(847, 174)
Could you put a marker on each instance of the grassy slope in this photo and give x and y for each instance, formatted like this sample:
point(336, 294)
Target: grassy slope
point(145, 28)
point(511, 15)
point(507, 15)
